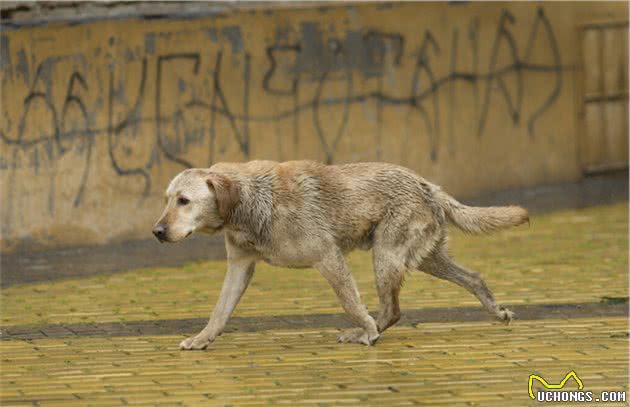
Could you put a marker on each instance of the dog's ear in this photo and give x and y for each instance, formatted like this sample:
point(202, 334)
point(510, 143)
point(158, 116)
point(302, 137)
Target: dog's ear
point(226, 191)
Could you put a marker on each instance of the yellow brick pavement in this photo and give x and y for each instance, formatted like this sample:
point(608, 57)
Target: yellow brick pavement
point(483, 364)
point(567, 256)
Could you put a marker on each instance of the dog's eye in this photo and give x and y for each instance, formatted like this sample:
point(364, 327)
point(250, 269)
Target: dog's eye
point(182, 201)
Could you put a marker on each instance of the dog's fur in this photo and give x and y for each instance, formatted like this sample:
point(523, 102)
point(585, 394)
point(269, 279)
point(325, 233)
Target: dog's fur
point(306, 214)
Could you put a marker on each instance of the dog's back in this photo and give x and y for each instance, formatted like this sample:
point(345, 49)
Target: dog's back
point(348, 202)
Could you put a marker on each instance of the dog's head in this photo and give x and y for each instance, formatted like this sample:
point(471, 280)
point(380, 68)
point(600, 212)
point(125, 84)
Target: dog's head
point(196, 200)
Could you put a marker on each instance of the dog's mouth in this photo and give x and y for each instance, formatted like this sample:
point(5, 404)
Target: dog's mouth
point(167, 240)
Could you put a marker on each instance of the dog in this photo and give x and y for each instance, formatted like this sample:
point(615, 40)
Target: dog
point(306, 214)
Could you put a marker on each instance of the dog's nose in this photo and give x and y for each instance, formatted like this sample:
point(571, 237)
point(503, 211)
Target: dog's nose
point(160, 232)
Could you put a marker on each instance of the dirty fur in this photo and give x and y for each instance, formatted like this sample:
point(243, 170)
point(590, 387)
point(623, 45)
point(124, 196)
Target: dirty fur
point(306, 214)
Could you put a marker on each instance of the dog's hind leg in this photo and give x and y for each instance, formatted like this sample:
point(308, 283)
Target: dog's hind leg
point(336, 272)
point(441, 266)
point(401, 242)
point(389, 278)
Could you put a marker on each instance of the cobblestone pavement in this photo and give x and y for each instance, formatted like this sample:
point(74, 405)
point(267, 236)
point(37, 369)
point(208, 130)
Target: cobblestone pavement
point(567, 260)
point(608, 307)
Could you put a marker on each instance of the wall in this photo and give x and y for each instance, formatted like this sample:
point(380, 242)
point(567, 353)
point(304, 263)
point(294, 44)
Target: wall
point(97, 117)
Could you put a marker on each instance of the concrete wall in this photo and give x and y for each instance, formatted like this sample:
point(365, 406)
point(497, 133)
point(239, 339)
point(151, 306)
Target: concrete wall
point(97, 117)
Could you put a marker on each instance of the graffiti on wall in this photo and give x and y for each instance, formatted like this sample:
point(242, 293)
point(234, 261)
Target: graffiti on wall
point(190, 108)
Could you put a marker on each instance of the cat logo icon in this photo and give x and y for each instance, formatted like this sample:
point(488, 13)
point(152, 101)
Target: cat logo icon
point(553, 386)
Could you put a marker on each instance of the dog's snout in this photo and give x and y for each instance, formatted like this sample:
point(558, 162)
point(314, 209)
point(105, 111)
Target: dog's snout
point(160, 232)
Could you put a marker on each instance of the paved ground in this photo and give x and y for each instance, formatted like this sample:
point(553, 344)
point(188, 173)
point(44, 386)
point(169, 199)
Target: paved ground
point(607, 307)
point(94, 341)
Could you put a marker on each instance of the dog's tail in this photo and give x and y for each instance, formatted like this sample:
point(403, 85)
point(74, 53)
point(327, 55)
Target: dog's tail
point(474, 219)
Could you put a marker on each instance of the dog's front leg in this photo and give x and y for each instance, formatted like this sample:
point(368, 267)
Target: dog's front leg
point(239, 274)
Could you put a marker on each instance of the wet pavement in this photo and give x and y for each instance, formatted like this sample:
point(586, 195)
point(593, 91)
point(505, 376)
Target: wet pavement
point(608, 307)
point(454, 364)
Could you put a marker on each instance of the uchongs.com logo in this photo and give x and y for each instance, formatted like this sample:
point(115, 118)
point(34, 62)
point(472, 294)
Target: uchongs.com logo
point(556, 393)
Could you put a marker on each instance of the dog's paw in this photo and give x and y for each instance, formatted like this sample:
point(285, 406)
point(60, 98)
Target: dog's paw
point(505, 315)
point(198, 342)
point(357, 335)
